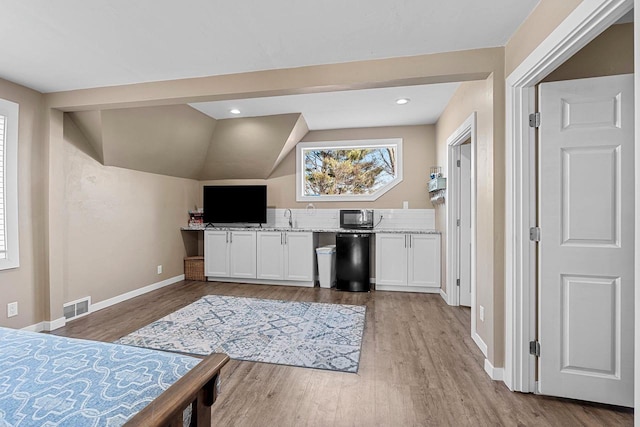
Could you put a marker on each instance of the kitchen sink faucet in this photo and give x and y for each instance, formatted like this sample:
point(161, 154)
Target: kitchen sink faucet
point(290, 216)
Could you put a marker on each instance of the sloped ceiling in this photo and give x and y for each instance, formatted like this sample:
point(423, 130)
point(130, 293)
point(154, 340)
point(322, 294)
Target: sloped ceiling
point(177, 140)
point(248, 148)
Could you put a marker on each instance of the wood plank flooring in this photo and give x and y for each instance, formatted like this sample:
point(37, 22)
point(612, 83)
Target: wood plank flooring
point(418, 367)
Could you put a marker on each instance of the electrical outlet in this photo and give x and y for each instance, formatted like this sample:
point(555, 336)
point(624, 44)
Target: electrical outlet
point(159, 269)
point(405, 205)
point(482, 313)
point(12, 309)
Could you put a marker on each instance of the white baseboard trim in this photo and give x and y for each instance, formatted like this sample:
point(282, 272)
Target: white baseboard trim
point(59, 323)
point(480, 343)
point(46, 326)
point(135, 293)
point(444, 296)
point(38, 327)
point(495, 374)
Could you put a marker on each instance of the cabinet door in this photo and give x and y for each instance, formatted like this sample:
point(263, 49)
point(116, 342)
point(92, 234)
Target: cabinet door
point(391, 259)
point(424, 260)
point(216, 253)
point(270, 255)
point(298, 261)
point(242, 256)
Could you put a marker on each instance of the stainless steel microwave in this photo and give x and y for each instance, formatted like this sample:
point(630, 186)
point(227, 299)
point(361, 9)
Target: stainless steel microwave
point(356, 218)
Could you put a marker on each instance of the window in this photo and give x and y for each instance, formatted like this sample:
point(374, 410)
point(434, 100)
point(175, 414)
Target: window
point(9, 251)
point(347, 170)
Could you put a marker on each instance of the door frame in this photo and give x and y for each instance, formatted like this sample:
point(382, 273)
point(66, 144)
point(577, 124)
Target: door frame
point(467, 130)
point(586, 22)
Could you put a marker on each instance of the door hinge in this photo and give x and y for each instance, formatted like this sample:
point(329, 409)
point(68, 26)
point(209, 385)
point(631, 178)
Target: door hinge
point(458, 163)
point(534, 234)
point(457, 282)
point(534, 120)
point(458, 222)
point(534, 348)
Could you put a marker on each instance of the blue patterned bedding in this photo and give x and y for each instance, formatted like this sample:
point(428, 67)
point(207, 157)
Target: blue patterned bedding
point(47, 380)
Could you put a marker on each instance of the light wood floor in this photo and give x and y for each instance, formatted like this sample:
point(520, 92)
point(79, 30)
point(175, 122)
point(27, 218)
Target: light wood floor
point(418, 367)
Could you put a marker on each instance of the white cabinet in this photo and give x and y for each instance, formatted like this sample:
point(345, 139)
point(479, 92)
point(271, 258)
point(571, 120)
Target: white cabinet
point(408, 262)
point(230, 254)
point(216, 253)
point(285, 255)
point(298, 258)
point(270, 255)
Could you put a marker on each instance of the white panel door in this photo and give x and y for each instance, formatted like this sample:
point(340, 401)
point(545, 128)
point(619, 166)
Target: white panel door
point(242, 254)
point(423, 258)
point(391, 259)
point(298, 262)
point(464, 245)
point(587, 236)
point(270, 255)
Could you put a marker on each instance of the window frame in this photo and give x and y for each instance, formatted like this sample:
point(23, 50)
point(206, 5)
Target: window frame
point(346, 144)
point(11, 111)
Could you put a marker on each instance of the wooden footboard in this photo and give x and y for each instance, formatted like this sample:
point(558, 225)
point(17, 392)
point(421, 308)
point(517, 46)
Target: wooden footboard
point(198, 386)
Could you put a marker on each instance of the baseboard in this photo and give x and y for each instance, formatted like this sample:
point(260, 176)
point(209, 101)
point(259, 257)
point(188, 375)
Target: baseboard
point(262, 282)
point(135, 293)
point(419, 289)
point(444, 296)
point(494, 373)
point(46, 326)
point(38, 327)
point(480, 343)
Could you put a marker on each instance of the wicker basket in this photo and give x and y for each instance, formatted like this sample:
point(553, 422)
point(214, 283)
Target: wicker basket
point(194, 268)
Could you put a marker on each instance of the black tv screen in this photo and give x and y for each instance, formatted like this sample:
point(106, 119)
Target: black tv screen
point(226, 204)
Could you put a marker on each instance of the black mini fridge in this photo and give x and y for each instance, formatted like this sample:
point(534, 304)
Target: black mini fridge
point(352, 262)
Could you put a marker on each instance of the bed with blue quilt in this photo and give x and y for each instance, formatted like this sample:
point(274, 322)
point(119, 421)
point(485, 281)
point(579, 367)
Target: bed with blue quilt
point(47, 380)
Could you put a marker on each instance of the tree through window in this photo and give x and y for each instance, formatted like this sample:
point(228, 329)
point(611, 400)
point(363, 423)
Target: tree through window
point(357, 170)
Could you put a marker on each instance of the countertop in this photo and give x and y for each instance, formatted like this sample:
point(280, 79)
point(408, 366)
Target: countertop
point(312, 230)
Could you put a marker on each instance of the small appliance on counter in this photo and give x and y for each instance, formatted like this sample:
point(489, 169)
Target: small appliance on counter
point(360, 219)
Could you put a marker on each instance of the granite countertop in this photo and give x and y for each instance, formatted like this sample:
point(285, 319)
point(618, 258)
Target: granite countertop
point(312, 230)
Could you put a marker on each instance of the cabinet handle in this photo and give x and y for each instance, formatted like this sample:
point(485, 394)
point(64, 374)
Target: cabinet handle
point(230, 237)
point(405, 241)
point(410, 241)
point(285, 238)
point(281, 238)
point(226, 237)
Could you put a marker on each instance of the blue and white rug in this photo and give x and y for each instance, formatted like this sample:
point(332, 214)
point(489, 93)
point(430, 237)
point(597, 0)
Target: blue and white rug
point(307, 334)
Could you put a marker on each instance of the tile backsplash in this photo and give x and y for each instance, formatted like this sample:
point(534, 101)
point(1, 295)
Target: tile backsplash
point(392, 219)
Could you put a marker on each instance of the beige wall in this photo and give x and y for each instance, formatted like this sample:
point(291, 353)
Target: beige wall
point(247, 148)
point(119, 224)
point(469, 98)
point(26, 283)
point(540, 23)
point(610, 53)
point(419, 153)
point(436, 68)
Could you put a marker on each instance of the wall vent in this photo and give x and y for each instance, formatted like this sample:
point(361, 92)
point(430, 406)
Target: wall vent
point(77, 308)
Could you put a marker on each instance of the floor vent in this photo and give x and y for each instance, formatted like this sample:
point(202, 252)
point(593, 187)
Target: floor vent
point(77, 308)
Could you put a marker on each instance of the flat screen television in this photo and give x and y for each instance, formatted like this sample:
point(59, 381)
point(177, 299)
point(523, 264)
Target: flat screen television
point(228, 204)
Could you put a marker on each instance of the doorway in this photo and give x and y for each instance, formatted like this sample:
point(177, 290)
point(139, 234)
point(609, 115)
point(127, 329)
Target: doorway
point(587, 21)
point(461, 221)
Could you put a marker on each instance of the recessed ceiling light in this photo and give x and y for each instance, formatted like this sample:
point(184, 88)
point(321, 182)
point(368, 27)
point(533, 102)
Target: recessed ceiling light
point(402, 101)
point(234, 111)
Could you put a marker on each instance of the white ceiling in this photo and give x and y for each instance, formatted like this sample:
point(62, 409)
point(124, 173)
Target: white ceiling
point(348, 109)
point(55, 46)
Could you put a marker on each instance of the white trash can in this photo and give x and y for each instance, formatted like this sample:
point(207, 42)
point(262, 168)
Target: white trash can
point(327, 265)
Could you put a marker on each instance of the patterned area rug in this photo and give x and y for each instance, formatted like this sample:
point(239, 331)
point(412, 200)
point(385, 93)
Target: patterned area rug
point(312, 335)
